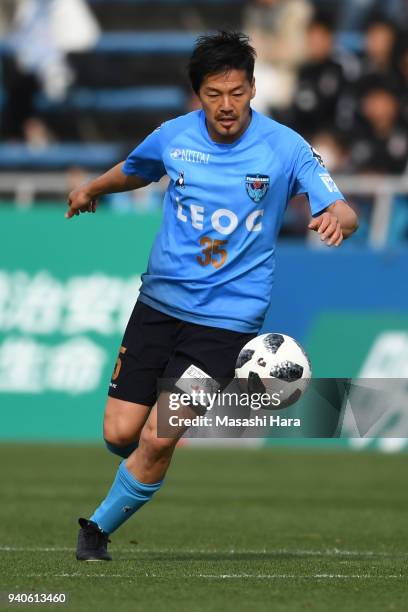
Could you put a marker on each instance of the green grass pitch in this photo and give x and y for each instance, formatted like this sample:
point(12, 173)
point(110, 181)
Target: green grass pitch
point(232, 529)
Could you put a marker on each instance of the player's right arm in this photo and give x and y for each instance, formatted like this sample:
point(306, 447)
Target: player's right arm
point(114, 180)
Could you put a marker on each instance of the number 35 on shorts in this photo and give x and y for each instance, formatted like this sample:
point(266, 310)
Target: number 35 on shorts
point(212, 253)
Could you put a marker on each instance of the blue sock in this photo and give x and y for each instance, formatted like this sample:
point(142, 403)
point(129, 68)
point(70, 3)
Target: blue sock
point(126, 496)
point(122, 451)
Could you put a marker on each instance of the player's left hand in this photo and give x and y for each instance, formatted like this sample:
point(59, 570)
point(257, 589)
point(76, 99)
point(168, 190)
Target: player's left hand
point(329, 228)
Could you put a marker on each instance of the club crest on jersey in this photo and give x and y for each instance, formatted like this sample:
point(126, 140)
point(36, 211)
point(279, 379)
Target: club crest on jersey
point(257, 185)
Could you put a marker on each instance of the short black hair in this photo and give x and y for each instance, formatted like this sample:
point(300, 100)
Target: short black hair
point(323, 19)
point(379, 19)
point(219, 53)
point(375, 82)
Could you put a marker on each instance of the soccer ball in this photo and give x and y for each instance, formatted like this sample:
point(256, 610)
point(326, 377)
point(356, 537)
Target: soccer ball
point(274, 364)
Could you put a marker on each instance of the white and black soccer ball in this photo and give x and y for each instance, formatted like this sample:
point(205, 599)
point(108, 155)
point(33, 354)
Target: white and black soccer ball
point(274, 364)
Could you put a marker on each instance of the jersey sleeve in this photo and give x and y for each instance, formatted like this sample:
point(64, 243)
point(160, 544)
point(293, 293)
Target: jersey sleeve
point(311, 177)
point(146, 159)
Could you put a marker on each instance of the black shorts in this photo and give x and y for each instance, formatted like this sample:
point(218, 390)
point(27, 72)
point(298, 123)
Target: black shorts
point(157, 346)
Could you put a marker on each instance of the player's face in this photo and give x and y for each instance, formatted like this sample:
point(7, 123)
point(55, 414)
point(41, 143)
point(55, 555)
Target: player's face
point(225, 99)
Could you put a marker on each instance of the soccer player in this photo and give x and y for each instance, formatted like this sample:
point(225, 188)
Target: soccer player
point(208, 283)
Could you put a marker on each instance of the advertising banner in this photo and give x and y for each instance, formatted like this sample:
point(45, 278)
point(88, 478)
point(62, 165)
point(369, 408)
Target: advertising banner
point(67, 289)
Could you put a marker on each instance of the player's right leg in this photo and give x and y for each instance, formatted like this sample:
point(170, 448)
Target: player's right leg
point(136, 481)
point(123, 424)
point(145, 352)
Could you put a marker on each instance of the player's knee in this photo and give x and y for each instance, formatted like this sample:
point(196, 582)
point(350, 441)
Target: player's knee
point(154, 446)
point(118, 434)
point(122, 450)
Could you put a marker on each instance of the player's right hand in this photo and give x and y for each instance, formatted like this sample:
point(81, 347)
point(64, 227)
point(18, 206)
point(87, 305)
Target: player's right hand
point(80, 201)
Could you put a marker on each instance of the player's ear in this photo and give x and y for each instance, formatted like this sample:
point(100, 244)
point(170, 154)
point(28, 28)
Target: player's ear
point(253, 89)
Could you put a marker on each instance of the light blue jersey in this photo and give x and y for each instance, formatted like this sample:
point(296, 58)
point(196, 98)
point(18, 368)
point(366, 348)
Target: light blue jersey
point(213, 260)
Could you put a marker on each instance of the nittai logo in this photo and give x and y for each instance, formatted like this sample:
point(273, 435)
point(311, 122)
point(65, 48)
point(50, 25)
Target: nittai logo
point(188, 155)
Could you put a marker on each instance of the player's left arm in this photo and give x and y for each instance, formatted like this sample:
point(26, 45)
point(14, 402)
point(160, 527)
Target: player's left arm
point(333, 219)
point(335, 224)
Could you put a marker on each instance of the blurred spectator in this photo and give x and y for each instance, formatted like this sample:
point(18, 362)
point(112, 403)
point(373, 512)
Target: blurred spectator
point(334, 149)
point(7, 8)
point(381, 143)
point(36, 51)
point(380, 44)
point(403, 74)
point(20, 90)
point(36, 134)
point(44, 31)
point(40, 32)
point(378, 61)
point(277, 31)
point(355, 14)
point(320, 81)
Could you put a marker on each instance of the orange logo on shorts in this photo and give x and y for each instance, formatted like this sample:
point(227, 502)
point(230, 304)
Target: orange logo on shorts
point(118, 364)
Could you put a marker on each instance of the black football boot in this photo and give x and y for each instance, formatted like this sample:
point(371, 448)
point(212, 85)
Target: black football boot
point(92, 542)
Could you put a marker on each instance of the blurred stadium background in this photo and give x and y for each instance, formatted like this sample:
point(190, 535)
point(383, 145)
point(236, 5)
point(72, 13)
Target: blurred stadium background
point(82, 82)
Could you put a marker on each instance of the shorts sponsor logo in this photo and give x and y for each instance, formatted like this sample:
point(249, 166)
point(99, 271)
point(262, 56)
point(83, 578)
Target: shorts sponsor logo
point(195, 379)
point(194, 372)
point(118, 364)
